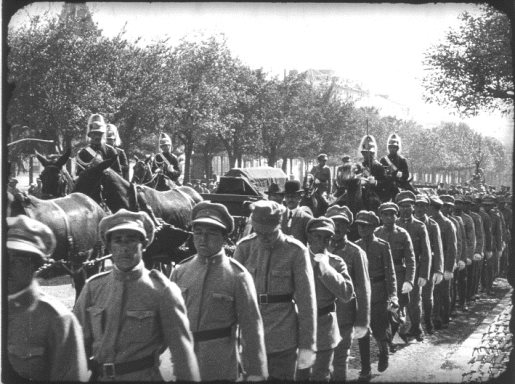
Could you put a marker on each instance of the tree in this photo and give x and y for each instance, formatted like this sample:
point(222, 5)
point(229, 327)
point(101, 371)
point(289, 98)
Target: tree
point(472, 69)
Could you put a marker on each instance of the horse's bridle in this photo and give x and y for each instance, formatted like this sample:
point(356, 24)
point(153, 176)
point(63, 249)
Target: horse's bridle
point(148, 171)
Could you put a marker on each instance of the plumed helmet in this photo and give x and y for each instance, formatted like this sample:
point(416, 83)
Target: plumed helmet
point(164, 139)
point(112, 132)
point(96, 123)
point(368, 144)
point(394, 139)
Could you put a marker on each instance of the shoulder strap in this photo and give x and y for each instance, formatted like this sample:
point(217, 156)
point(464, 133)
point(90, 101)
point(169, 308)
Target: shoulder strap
point(390, 164)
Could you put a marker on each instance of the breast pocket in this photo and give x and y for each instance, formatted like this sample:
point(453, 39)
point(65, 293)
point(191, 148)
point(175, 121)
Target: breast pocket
point(222, 308)
point(280, 282)
point(97, 320)
point(26, 352)
point(140, 325)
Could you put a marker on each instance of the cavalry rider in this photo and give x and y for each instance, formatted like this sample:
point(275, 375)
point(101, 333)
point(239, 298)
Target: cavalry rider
point(97, 150)
point(322, 175)
point(113, 139)
point(373, 172)
point(44, 338)
point(344, 173)
point(166, 160)
point(396, 165)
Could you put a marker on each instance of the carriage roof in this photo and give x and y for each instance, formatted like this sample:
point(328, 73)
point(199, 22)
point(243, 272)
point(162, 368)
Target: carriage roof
point(251, 181)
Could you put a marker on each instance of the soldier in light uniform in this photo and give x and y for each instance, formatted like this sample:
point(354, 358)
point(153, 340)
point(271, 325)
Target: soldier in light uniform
point(375, 180)
point(420, 239)
point(442, 291)
point(403, 260)
point(44, 339)
point(332, 282)
point(113, 139)
point(282, 271)
point(477, 260)
point(396, 165)
point(436, 276)
point(166, 161)
point(221, 301)
point(322, 174)
point(131, 315)
point(384, 289)
point(97, 150)
point(295, 218)
point(353, 316)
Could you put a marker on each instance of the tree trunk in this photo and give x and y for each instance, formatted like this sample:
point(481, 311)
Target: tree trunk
point(188, 151)
point(284, 165)
point(272, 157)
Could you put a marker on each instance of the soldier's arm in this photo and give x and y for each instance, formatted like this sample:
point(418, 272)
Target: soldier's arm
point(451, 248)
point(176, 172)
point(305, 298)
point(471, 237)
point(436, 248)
point(239, 254)
point(251, 326)
point(480, 235)
point(81, 313)
point(176, 330)
point(124, 163)
point(391, 280)
point(334, 275)
point(409, 260)
point(68, 361)
point(487, 228)
point(403, 167)
point(425, 257)
point(362, 289)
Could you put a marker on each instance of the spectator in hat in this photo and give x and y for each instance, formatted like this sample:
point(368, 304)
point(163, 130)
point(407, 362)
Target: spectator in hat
point(436, 275)
point(274, 193)
point(282, 271)
point(353, 316)
point(44, 338)
point(166, 161)
point(113, 139)
point(403, 260)
point(220, 300)
point(322, 175)
point(295, 218)
point(130, 315)
point(332, 282)
point(97, 150)
point(383, 290)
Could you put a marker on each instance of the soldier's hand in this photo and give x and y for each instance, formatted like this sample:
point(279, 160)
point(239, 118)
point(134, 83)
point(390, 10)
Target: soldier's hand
point(448, 275)
point(437, 278)
point(488, 254)
point(469, 261)
point(399, 175)
point(321, 257)
point(372, 180)
point(255, 378)
point(306, 358)
point(406, 287)
point(477, 257)
point(461, 265)
point(359, 332)
point(421, 282)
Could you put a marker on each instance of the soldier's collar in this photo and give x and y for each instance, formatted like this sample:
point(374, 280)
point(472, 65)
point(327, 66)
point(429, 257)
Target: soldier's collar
point(213, 259)
point(24, 298)
point(134, 274)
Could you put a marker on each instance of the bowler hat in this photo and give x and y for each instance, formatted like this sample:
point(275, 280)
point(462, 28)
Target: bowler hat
point(266, 214)
point(322, 224)
point(214, 214)
point(292, 187)
point(124, 219)
point(344, 213)
point(389, 206)
point(29, 235)
point(274, 189)
point(405, 196)
point(367, 218)
point(346, 159)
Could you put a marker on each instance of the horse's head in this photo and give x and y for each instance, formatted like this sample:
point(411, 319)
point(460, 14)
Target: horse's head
point(52, 178)
point(89, 181)
point(308, 183)
point(141, 172)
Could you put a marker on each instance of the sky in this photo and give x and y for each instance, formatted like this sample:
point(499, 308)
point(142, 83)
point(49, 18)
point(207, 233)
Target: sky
point(380, 46)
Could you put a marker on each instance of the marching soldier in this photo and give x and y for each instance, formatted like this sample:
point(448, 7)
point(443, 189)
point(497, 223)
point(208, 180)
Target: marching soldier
point(376, 182)
point(295, 218)
point(353, 316)
point(130, 314)
point(332, 282)
point(477, 260)
point(44, 339)
point(220, 300)
point(487, 240)
point(322, 174)
point(436, 275)
point(396, 165)
point(275, 194)
point(403, 260)
point(97, 150)
point(492, 266)
point(166, 161)
point(113, 139)
point(506, 216)
point(420, 239)
point(442, 291)
point(384, 290)
point(282, 271)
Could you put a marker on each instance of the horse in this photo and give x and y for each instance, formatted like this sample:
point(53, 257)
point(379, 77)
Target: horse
point(74, 220)
point(142, 174)
point(55, 179)
point(312, 198)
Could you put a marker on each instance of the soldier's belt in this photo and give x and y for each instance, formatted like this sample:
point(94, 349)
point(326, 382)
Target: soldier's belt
point(110, 370)
point(327, 309)
point(377, 279)
point(211, 334)
point(272, 299)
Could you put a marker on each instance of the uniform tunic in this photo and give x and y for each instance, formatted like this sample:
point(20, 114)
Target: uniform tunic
point(219, 293)
point(127, 316)
point(470, 234)
point(377, 170)
point(487, 228)
point(85, 158)
point(283, 268)
point(459, 239)
point(435, 242)
point(294, 223)
point(449, 242)
point(44, 339)
point(169, 163)
point(480, 232)
point(420, 240)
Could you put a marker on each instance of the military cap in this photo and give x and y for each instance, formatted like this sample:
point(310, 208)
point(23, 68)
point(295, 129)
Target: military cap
point(459, 199)
point(421, 199)
point(164, 139)
point(344, 213)
point(322, 156)
point(405, 196)
point(435, 201)
point(214, 214)
point(489, 200)
point(96, 123)
point(447, 200)
point(346, 159)
point(124, 219)
point(274, 189)
point(367, 218)
point(389, 206)
point(322, 224)
point(468, 199)
point(266, 214)
point(29, 235)
point(292, 187)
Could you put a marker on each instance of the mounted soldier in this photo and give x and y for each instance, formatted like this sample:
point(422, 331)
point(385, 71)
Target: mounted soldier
point(166, 161)
point(396, 166)
point(113, 139)
point(373, 175)
point(97, 150)
point(345, 173)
